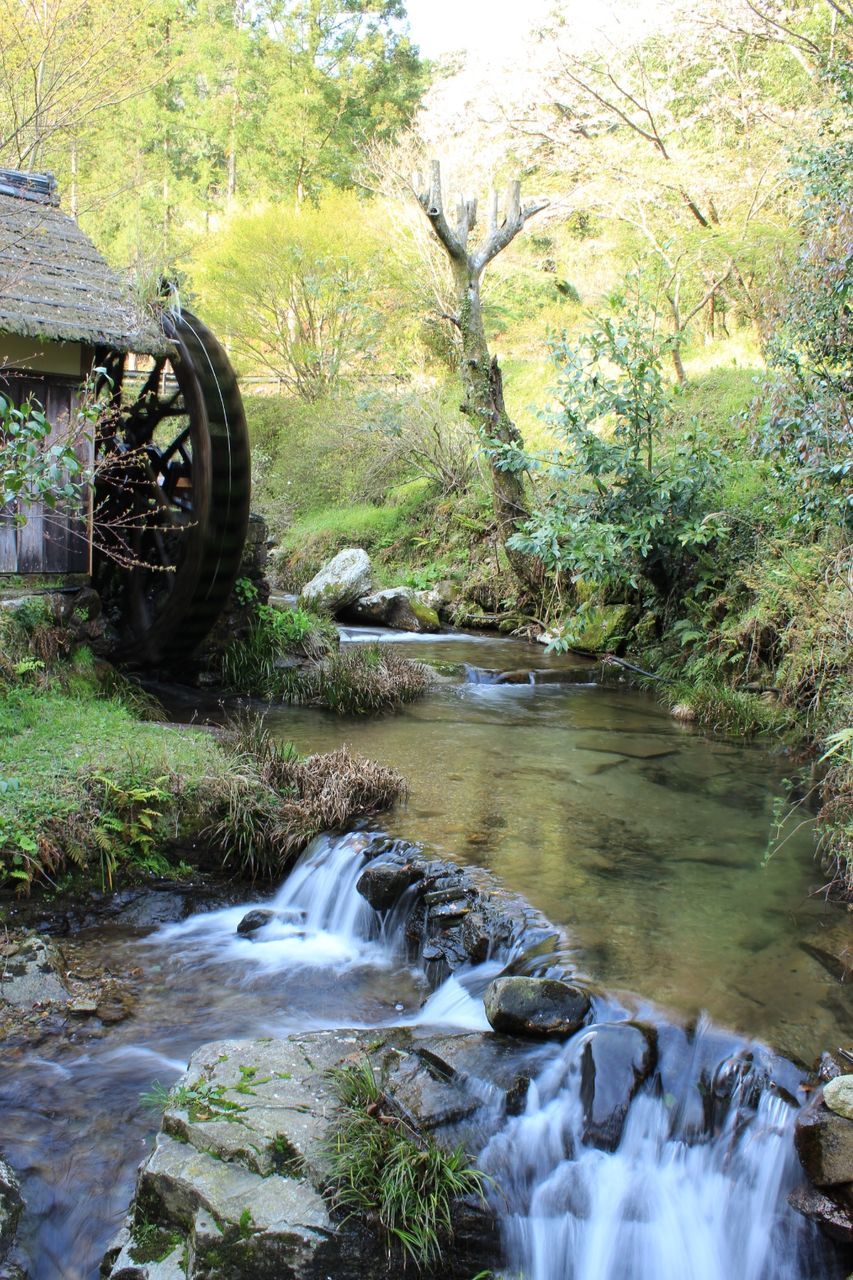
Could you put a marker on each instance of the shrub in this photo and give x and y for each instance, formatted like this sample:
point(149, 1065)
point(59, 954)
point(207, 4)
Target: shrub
point(257, 664)
point(274, 803)
point(620, 503)
point(364, 680)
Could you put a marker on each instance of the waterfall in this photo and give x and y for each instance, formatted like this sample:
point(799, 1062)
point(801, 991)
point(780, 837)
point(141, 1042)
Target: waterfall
point(669, 1202)
point(662, 1154)
point(317, 918)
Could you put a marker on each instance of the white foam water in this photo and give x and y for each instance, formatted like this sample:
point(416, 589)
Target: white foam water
point(656, 1208)
point(320, 919)
point(667, 1204)
point(458, 1002)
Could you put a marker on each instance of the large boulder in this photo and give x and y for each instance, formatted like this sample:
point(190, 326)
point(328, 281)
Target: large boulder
point(31, 975)
point(236, 1184)
point(834, 1216)
point(603, 627)
point(395, 607)
point(536, 1007)
point(339, 583)
point(441, 597)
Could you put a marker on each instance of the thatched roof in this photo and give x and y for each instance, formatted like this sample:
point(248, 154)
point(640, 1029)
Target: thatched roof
point(54, 283)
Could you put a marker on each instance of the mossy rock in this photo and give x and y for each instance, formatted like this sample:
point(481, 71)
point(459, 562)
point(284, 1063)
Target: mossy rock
point(601, 628)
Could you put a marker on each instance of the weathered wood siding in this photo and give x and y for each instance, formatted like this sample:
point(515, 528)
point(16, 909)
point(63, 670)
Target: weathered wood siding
point(49, 541)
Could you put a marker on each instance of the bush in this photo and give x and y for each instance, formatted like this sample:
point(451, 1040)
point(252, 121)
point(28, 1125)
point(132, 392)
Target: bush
point(621, 502)
point(364, 680)
point(274, 803)
point(258, 663)
point(806, 427)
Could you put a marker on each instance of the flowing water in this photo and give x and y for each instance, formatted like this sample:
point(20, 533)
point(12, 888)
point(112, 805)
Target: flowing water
point(643, 836)
point(645, 839)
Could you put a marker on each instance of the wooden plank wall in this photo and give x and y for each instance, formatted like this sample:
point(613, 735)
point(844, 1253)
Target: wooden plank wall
point(50, 541)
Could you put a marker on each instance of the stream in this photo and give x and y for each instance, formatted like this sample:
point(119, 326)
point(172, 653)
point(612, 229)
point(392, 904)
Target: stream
point(643, 837)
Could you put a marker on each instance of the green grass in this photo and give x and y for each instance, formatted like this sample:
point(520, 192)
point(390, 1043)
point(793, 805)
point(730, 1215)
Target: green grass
point(55, 746)
point(86, 784)
point(256, 663)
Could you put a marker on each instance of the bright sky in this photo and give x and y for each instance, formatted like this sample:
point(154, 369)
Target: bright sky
point(496, 28)
point(492, 26)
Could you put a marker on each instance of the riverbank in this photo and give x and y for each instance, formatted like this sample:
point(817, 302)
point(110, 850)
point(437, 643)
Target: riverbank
point(98, 790)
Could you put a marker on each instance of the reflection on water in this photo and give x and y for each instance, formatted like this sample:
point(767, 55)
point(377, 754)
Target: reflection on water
point(643, 836)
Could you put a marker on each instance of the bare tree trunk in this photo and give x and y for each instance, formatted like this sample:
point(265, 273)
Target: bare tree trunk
point(481, 376)
point(484, 404)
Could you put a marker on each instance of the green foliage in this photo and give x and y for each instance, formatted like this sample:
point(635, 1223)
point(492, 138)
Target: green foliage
point(152, 1243)
point(806, 428)
point(129, 822)
point(257, 663)
point(382, 1169)
point(271, 803)
point(621, 503)
point(202, 1101)
point(32, 469)
point(295, 290)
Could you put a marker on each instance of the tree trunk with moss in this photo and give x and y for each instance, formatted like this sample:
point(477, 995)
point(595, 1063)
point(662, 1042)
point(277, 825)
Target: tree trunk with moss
point(481, 375)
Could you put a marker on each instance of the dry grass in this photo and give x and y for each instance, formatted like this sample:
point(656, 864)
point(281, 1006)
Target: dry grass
point(274, 803)
point(364, 680)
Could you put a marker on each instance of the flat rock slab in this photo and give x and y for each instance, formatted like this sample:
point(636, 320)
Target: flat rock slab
point(239, 1168)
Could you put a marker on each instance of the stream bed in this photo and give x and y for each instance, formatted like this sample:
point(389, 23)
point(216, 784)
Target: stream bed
point(643, 837)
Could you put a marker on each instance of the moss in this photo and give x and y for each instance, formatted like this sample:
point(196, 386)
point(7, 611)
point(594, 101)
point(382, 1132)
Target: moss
point(152, 1243)
point(599, 627)
point(427, 617)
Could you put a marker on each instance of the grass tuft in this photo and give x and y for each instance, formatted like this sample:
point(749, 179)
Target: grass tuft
point(383, 1169)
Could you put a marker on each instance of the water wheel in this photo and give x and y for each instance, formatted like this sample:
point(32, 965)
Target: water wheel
point(171, 496)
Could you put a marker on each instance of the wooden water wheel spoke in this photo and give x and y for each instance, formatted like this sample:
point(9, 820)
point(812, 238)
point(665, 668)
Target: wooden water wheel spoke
point(177, 446)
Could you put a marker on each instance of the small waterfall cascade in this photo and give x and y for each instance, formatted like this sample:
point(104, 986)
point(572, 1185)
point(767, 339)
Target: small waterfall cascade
point(644, 1152)
point(694, 1187)
point(320, 894)
point(317, 918)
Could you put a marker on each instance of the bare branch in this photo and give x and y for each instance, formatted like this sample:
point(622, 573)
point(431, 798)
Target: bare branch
point(500, 236)
point(707, 296)
point(432, 204)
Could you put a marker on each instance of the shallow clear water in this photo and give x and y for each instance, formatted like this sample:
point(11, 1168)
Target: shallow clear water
point(642, 835)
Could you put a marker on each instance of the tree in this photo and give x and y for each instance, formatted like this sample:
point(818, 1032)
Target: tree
point(293, 291)
point(61, 65)
point(481, 375)
point(682, 136)
point(338, 73)
point(623, 501)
